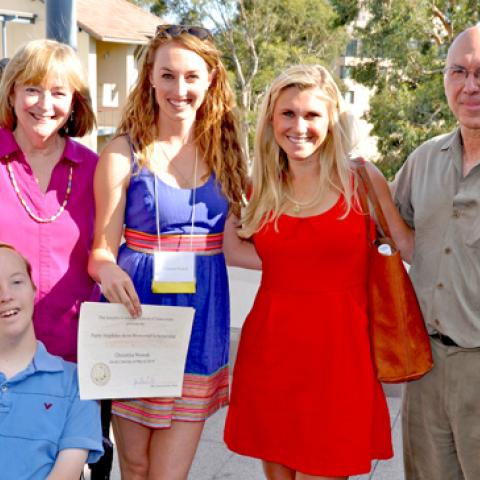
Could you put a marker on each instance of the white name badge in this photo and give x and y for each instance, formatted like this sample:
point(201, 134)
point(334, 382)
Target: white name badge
point(173, 272)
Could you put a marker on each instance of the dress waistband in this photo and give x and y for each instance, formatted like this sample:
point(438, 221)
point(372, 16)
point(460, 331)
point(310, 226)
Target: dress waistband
point(202, 244)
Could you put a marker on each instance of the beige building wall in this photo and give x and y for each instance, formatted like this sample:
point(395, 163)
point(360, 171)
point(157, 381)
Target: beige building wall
point(86, 50)
point(357, 96)
point(113, 84)
point(18, 33)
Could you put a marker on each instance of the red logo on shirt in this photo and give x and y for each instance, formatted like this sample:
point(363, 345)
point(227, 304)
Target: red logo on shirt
point(48, 406)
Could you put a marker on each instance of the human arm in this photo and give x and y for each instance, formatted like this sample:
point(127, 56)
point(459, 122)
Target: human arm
point(81, 431)
point(401, 189)
point(111, 180)
point(69, 464)
point(402, 234)
point(239, 252)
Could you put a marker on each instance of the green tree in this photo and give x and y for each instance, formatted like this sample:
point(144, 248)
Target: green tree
point(404, 45)
point(157, 7)
point(259, 38)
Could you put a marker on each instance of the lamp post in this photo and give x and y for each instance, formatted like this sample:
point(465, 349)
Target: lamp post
point(62, 21)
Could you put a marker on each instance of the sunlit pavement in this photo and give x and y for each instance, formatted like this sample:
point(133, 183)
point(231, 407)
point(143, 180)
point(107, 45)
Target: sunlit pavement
point(214, 461)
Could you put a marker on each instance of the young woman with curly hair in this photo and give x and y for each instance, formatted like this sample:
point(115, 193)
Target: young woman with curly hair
point(174, 175)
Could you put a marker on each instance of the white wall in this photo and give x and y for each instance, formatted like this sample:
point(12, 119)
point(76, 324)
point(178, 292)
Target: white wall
point(243, 288)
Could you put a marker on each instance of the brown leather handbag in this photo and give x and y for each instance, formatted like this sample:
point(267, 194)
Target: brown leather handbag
point(400, 343)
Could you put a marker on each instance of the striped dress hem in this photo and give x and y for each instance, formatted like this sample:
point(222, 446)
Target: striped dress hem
point(202, 396)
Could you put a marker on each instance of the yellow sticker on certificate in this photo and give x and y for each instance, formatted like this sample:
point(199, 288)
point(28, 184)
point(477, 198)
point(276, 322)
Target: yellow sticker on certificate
point(124, 357)
point(173, 272)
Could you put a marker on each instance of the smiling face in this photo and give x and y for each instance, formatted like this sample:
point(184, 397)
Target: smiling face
point(17, 295)
point(300, 122)
point(180, 79)
point(42, 110)
point(464, 97)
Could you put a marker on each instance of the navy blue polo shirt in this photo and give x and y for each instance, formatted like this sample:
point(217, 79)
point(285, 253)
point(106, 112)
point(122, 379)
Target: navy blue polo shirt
point(41, 414)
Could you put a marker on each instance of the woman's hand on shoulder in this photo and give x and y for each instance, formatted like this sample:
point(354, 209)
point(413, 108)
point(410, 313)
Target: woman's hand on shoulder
point(402, 234)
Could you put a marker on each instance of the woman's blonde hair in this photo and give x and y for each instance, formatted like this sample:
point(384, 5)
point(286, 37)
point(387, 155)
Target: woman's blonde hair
point(216, 127)
point(271, 176)
point(35, 62)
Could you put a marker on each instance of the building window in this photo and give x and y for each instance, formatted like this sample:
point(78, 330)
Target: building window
point(352, 49)
point(350, 96)
point(345, 72)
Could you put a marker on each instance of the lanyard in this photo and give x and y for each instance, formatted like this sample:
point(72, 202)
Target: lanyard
point(194, 195)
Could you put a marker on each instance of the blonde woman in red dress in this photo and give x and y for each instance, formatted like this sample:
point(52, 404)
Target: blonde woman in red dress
point(305, 399)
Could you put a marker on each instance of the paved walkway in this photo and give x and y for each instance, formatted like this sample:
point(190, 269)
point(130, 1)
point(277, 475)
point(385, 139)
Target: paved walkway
point(215, 462)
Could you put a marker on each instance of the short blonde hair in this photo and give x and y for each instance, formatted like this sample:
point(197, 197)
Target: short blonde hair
point(270, 175)
point(32, 64)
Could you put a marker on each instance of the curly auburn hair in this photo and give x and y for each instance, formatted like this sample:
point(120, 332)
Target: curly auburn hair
point(216, 127)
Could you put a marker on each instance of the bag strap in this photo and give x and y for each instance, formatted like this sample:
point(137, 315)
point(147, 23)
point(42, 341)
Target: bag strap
point(367, 195)
point(363, 198)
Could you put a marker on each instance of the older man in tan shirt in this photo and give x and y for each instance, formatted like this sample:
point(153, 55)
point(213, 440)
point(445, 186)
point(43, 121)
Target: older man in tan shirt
point(438, 194)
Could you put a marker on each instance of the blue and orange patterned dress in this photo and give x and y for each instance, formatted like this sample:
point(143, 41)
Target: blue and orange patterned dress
point(205, 387)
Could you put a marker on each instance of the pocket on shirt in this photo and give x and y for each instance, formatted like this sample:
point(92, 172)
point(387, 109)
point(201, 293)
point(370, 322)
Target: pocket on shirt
point(473, 235)
point(467, 220)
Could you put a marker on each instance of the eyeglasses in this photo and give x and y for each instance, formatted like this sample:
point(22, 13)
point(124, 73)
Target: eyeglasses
point(459, 74)
point(176, 30)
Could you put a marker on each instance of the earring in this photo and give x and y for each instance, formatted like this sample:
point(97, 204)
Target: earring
point(68, 128)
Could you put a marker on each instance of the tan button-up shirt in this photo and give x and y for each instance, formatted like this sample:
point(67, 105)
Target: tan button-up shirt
point(443, 206)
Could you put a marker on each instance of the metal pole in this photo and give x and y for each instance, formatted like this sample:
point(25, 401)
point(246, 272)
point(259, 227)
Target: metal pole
point(4, 38)
point(62, 21)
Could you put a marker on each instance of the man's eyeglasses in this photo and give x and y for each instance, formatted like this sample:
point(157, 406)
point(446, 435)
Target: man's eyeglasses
point(459, 74)
point(177, 30)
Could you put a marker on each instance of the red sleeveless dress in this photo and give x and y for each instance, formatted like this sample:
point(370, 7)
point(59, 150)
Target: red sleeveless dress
point(304, 392)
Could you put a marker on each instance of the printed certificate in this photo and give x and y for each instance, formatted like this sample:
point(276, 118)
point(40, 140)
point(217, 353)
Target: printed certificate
point(124, 357)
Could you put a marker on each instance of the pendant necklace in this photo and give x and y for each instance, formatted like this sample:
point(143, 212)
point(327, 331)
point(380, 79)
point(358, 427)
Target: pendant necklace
point(185, 182)
point(298, 206)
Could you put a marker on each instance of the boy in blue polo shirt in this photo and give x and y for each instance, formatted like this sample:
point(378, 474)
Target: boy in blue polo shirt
point(46, 431)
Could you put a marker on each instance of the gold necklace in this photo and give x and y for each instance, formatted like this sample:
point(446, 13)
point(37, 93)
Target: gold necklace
point(298, 206)
point(28, 209)
point(186, 182)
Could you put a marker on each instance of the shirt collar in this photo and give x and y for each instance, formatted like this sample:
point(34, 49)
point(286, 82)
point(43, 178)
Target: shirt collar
point(8, 146)
point(44, 361)
point(453, 140)
point(73, 151)
point(453, 145)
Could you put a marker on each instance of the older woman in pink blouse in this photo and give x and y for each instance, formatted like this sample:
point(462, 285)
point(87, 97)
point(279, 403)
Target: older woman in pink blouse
point(46, 206)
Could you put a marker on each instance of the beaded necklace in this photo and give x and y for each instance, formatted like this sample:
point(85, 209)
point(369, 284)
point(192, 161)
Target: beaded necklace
point(28, 209)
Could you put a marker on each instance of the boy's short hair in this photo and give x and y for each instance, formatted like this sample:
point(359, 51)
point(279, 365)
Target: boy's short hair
point(27, 263)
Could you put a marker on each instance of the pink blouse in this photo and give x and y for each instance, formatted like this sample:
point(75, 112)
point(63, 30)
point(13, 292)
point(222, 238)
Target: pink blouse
point(58, 251)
